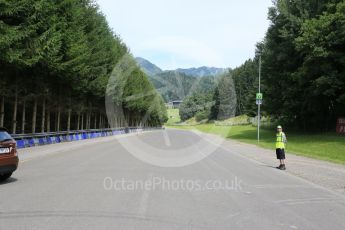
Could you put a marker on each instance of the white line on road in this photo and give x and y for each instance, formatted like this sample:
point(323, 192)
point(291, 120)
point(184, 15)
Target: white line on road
point(307, 200)
point(144, 200)
point(166, 138)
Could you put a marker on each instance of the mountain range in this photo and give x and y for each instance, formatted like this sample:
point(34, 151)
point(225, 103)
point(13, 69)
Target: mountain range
point(179, 83)
point(151, 69)
point(202, 71)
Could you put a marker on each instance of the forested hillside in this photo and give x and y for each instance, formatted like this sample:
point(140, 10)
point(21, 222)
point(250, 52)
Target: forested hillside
point(202, 71)
point(146, 66)
point(303, 68)
point(180, 83)
point(173, 85)
point(212, 98)
point(56, 58)
point(303, 77)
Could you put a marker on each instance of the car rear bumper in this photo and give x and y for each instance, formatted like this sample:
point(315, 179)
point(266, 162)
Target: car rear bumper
point(8, 164)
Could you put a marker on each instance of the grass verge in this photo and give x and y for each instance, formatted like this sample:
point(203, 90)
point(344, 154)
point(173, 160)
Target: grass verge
point(173, 116)
point(325, 146)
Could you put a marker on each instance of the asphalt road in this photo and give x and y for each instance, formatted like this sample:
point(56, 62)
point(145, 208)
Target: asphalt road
point(101, 185)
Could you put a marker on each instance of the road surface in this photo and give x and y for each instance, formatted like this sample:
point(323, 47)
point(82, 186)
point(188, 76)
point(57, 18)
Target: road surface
point(101, 185)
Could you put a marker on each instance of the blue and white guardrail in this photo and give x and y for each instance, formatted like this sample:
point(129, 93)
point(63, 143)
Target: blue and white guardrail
point(30, 140)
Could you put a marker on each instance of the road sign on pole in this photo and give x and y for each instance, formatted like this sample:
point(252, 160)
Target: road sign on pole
point(259, 96)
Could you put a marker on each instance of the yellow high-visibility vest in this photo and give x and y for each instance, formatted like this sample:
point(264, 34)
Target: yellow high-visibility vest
point(280, 142)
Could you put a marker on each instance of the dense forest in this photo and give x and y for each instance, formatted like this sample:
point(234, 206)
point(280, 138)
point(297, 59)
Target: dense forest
point(131, 98)
point(212, 98)
point(181, 83)
point(173, 85)
point(303, 66)
point(56, 58)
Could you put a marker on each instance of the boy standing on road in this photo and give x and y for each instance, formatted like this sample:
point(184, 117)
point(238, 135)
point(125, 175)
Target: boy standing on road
point(280, 147)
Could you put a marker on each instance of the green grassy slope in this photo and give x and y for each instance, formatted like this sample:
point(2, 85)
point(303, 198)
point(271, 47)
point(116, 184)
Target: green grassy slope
point(327, 146)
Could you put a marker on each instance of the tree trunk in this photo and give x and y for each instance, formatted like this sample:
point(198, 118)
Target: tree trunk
point(95, 123)
point(105, 123)
point(88, 121)
point(86, 118)
point(55, 121)
point(34, 114)
point(43, 115)
point(15, 106)
point(100, 121)
point(23, 116)
point(48, 120)
point(69, 120)
point(58, 120)
point(82, 121)
point(90, 118)
point(78, 121)
point(2, 111)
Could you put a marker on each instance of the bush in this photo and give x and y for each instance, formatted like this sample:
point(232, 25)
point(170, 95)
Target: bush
point(201, 115)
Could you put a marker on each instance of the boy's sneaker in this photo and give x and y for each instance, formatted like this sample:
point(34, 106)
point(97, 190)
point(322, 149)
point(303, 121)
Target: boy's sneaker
point(279, 167)
point(282, 167)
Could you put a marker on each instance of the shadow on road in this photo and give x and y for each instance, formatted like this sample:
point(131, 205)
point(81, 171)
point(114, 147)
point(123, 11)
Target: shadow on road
point(8, 181)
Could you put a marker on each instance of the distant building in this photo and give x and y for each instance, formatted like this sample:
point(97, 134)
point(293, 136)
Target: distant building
point(174, 104)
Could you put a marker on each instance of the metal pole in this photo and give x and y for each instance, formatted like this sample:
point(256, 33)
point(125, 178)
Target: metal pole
point(259, 102)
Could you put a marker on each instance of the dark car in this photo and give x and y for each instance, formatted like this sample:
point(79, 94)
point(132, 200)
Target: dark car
point(8, 155)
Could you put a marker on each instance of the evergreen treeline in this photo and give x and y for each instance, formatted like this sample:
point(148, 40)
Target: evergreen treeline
point(303, 68)
point(173, 85)
point(246, 84)
point(198, 102)
point(131, 98)
point(56, 58)
point(212, 98)
point(196, 105)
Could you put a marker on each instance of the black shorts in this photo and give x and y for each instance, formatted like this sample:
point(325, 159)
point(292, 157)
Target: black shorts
point(280, 154)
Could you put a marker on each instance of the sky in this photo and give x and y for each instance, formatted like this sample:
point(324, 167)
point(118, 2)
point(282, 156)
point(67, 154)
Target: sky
point(189, 33)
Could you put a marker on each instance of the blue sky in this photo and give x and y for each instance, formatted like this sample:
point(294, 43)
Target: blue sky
point(191, 33)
